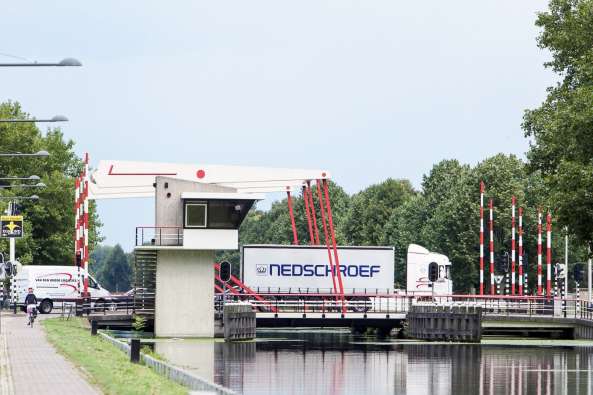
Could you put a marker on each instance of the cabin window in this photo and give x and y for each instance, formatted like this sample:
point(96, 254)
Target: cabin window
point(196, 215)
point(224, 214)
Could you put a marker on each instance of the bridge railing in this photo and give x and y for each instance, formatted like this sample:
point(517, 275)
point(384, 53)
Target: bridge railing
point(159, 236)
point(400, 303)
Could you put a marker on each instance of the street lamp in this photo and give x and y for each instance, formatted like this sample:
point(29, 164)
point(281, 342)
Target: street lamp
point(30, 178)
point(56, 118)
point(41, 153)
point(62, 63)
point(32, 197)
point(38, 185)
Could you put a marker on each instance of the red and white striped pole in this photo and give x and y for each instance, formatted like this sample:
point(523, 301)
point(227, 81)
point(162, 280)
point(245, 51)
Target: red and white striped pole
point(482, 237)
point(539, 252)
point(85, 221)
point(549, 254)
point(513, 204)
point(520, 250)
point(76, 222)
point(491, 205)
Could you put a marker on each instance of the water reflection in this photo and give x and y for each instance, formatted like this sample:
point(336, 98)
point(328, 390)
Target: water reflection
point(334, 362)
point(194, 356)
point(337, 363)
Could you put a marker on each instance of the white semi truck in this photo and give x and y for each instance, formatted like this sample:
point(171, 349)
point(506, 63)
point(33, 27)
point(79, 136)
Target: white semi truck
point(428, 273)
point(369, 270)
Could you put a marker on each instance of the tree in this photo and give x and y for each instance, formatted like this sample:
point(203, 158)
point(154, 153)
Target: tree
point(371, 208)
point(97, 260)
point(116, 273)
point(562, 127)
point(444, 217)
point(49, 222)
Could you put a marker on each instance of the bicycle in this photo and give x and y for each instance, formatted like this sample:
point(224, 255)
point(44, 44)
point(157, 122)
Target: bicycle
point(32, 315)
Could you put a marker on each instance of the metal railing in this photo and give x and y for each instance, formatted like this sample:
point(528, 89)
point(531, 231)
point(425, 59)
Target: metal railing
point(159, 236)
point(530, 306)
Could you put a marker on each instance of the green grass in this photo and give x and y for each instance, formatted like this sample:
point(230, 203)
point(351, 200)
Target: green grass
point(104, 364)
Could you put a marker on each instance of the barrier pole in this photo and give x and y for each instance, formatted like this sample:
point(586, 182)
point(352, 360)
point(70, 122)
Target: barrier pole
point(85, 222)
point(306, 200)
point(520, 250)
point(539, 252)
point(329, 254)
point(312, 206)
point(549, 254)
point(333, 237)
point(513, 204)
point(295, 237)
point(481, 238)
point(491, 206)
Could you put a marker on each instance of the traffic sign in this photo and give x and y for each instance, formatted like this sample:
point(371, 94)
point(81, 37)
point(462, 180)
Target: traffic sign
point(11, 225)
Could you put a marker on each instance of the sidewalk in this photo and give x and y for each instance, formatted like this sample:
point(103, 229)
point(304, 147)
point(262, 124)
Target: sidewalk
point(35, 368)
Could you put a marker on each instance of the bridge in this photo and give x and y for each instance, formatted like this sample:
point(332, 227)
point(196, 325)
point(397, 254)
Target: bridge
point(501, 315)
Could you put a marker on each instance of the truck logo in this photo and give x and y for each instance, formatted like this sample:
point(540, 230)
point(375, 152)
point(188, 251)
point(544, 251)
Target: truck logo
point(261, 270)
point(295, 270)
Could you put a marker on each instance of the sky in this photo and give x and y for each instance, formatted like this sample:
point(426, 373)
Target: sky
point(366, 89)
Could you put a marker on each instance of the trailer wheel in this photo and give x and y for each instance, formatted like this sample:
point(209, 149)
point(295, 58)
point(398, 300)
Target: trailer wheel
point(46, 306)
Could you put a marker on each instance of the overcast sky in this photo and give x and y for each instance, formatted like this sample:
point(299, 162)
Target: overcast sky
point(367, 89)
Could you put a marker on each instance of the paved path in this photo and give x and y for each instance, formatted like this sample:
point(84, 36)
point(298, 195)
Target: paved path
point(35, 366)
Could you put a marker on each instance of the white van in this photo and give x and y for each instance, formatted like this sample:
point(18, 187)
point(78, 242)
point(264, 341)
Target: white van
point(52, 283)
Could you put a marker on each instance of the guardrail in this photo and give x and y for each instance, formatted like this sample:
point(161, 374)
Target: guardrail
point(394, 303)
point(85, 306)
point(159, 236)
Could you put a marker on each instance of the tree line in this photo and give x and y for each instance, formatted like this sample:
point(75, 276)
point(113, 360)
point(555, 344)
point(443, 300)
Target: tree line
point(442, 216)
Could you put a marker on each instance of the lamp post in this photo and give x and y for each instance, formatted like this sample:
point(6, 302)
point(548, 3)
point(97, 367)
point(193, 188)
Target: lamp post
point(30, 178)
point(41, 153)
point(38, 185)
point(62, 63)
point(55, 118)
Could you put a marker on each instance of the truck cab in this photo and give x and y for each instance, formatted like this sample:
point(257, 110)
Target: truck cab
point(428, 273)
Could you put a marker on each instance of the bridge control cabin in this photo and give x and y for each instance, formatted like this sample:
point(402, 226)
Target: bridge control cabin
point(175, 258)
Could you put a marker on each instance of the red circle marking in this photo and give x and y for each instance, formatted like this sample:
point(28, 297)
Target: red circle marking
point(201, 173)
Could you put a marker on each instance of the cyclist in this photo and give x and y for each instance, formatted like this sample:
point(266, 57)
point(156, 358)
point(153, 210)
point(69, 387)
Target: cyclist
point(31, 303)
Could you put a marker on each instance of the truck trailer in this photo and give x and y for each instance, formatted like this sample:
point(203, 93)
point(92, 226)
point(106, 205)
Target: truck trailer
point(306, 269)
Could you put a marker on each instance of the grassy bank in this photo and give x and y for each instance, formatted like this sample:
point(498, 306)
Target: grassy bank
point(105, 365)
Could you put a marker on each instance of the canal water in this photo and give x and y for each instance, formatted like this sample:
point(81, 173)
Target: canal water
point(295, 361)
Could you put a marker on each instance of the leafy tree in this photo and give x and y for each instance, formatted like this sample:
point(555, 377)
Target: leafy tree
point(371, 208)
point(562, 127)
point(116, 272)
point(98, 258)
point(49, 222)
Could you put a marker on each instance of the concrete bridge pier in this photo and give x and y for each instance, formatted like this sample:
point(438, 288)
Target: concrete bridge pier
point(184, 294)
